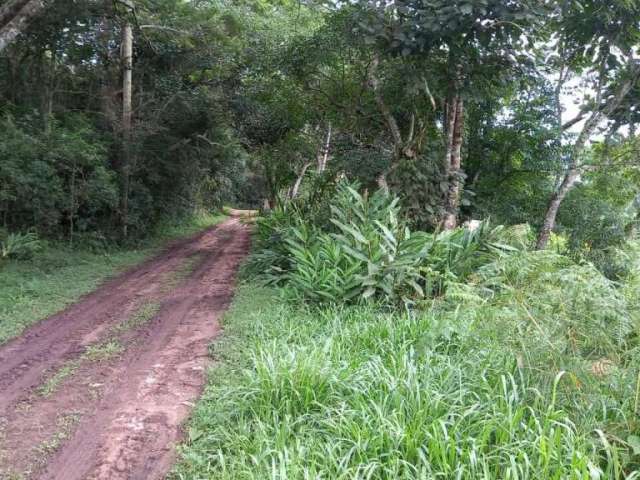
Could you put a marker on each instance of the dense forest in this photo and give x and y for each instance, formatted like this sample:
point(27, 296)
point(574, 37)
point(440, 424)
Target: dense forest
point(449, 205)
point(115, 115)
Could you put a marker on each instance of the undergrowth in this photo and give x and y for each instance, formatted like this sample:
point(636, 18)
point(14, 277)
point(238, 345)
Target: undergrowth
point(380, 353)
point(355, 393)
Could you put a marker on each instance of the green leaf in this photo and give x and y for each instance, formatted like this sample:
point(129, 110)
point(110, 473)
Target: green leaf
point(352, 230)
point(634, 443)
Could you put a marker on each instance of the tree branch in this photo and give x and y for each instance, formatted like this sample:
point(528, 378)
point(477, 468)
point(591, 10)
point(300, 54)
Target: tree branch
point(162, 27)
point(374, 82)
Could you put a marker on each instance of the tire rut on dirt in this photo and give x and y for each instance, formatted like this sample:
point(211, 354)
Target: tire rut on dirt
point(123, 415)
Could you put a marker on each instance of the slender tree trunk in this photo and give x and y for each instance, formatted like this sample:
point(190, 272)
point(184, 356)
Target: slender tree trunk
point(48, 68)
point(390, 120)
point(403, 149)
point(10, 9)
point(558, 196)
point(571, 176)
point(296, 186)
point(323, 156)
point(450, 122)
point(569, 180)
point(15, 17)
point(127, 67)
point(109, 104)
point(455, 125)
point(72, 202)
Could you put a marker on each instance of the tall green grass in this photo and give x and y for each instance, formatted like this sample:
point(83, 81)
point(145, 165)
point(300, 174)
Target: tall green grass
point(357, 393)
point(57, 276)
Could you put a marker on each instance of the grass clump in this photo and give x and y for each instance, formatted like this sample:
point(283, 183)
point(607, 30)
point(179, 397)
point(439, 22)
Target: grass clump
point(355, 392)
point(141, 316)
point(180, 274)
point(65, 424)
point(97, 352)
point(60, 375)
point(102, 351)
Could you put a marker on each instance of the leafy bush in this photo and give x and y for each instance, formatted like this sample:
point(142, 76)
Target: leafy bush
point(369, 253)
point(364, 250)
point(457, 254)
point(271, 251)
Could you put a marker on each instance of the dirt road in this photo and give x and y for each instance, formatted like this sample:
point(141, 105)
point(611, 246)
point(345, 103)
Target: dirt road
point(99, 391)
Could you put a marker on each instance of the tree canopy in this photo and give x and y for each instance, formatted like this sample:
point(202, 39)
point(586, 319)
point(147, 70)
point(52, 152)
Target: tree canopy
point(524, 111)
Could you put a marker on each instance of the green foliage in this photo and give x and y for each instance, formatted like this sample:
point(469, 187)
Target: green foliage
point(356, 393)
point(561, 296)
point(369, 253)
point(270, 256)
point(53, 181)
point(364, 250)
point(599, 214)
point(553, 316)
point(361, 250)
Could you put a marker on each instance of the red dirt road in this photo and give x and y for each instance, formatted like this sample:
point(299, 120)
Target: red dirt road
point(99, 391)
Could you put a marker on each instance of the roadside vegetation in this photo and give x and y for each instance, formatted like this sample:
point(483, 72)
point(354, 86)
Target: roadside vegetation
point(42, 278)
point(366, 350)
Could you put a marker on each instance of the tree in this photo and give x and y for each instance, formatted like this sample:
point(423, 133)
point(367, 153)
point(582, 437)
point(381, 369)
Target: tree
point(599, 44)
point(127, 89)
point(15, 16)
point(457, 41)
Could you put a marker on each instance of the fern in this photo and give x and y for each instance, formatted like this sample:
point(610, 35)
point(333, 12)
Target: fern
point(19, 245)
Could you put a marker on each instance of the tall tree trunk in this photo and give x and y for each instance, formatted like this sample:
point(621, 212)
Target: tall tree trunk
point(72, 202)
point(571, 176)
point(109, 77)
point(558, 196)
point(127, 67)
point(15, 17)
point(389, 119)
point(9, 10)
point(453, 161)
point(48, 79)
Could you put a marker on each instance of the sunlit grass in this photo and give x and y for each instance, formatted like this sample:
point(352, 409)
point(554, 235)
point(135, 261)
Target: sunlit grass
point(139, 317)
point(355, 393)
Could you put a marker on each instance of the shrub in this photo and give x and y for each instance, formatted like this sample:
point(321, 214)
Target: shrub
point(364, 250)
